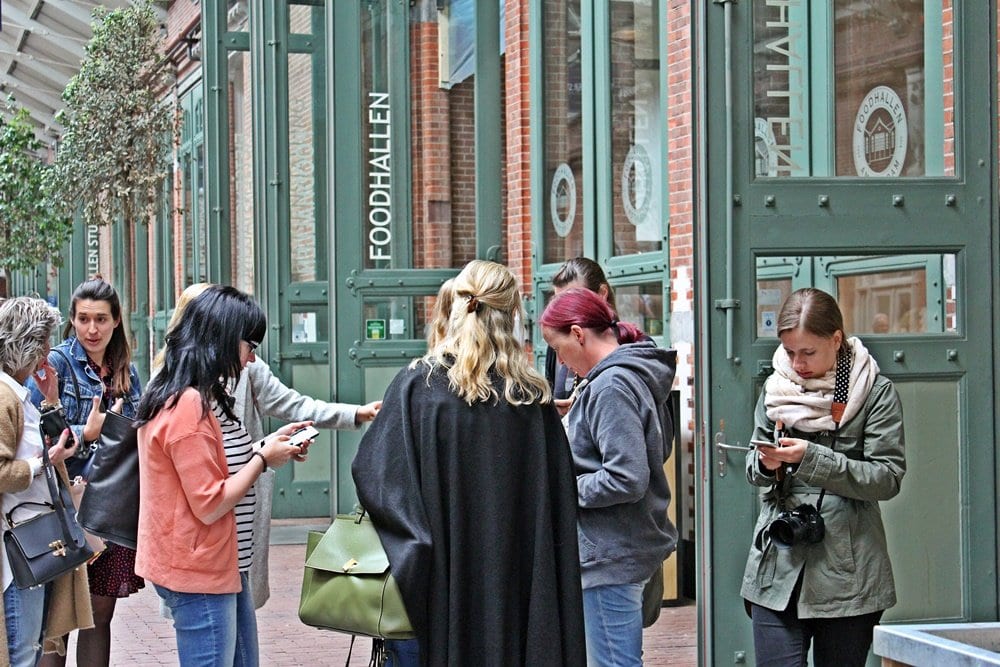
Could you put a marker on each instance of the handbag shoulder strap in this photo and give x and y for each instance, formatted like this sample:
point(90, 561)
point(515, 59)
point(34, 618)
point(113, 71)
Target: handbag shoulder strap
point(57, 500)
point(76, 383)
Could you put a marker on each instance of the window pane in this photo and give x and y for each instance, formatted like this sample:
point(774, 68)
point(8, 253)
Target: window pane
point(241, 195)
point(884, 294)
point(381, 201)
point(636, 127)
point(303, 193)
point(564, 180)
point(642, 305)
point(854, 88)
point(302, 17)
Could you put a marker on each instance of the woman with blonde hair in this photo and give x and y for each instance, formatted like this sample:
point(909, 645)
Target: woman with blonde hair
point(26, 324)
point(468, 478)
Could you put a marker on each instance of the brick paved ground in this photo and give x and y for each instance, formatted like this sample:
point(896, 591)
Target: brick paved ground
point(141, 637)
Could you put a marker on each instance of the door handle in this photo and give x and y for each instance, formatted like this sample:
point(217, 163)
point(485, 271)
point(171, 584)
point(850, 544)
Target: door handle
point(722, 450)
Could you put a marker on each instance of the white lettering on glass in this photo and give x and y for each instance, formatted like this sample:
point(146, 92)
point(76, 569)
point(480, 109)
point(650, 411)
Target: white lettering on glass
point(379, 178)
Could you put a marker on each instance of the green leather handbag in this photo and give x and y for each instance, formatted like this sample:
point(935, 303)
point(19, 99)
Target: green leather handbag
point(347, 586)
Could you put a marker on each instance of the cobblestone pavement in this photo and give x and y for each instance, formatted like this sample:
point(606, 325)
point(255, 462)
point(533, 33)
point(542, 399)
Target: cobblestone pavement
point(141, 637)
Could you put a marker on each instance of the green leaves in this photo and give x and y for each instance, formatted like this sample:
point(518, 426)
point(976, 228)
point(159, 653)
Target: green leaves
point(33, 228)
point(115, 148)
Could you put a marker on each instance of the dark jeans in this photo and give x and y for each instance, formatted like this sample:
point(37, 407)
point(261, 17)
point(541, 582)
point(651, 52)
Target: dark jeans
point(781, 639)
point(403, 653)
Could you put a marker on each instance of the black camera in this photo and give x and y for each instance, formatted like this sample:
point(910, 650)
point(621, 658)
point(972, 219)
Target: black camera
point(53, 423)
point(802, 525)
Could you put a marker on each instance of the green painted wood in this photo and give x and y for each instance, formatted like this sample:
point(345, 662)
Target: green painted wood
point(346, 148)
point(215, 92)
point(488, 131)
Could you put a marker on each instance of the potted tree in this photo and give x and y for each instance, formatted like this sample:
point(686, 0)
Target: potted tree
point(32, 228)
point(114, 152)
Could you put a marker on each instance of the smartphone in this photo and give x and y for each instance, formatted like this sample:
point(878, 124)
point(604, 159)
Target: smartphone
point(764, 443)
point(303, 435)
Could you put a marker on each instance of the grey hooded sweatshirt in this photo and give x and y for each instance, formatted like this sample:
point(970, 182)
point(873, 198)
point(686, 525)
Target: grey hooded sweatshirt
point(620, 430)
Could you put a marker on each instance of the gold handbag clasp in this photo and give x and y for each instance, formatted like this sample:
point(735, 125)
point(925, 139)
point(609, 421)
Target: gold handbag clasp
point(350, 565)
point(58, 548)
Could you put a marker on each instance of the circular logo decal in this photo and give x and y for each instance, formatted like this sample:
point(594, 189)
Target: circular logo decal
point(637, 184)
point(562, 200)
point(880, 134)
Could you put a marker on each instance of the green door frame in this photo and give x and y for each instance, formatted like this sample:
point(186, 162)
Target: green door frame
point(799, 216)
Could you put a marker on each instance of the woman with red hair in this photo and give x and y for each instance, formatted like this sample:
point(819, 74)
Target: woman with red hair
point(619, 431)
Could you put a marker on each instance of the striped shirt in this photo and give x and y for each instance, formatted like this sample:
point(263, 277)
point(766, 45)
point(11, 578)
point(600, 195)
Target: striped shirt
point(239, 450)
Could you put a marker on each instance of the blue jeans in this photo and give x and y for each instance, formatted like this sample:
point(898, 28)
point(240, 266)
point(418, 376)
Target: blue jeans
point(24, 611)
point(205, 626)
point(402, 653)
point(247, 650)
point(612, 618)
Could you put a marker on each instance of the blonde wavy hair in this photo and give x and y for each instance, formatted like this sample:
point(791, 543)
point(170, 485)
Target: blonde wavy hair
point(442, 313)
point(190, 293)
point(26, 324)
point(480, 339)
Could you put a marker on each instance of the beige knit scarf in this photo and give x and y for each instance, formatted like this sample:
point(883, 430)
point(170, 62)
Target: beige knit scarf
point(804, 404)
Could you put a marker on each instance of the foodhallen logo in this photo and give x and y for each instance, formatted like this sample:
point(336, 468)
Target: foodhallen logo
point(879, 140)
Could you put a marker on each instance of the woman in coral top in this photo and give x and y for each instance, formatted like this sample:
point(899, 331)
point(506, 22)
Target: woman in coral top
point(187, 537)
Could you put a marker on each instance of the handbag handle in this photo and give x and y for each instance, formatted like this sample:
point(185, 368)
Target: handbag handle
point(57, 502)
point(10, 515)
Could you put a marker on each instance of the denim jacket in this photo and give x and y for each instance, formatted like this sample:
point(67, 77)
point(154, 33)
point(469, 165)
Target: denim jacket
point(78, 398)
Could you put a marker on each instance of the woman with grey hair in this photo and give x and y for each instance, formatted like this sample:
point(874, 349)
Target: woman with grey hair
point(26, 324)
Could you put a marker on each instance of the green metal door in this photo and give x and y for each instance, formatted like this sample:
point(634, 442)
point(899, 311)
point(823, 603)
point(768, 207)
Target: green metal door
point(848, 147)
point(292, 254)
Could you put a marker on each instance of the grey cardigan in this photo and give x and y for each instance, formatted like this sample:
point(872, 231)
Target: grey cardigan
point(260, 394)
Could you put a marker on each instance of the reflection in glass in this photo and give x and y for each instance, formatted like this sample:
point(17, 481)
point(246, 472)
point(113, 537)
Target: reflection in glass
point(886, 294)
point(636, 127)
point(301, 17)
point(853, 88)
point(642, 305)
point(199, 214)
point(564, 182)
point(303, 193)
point(241, 183)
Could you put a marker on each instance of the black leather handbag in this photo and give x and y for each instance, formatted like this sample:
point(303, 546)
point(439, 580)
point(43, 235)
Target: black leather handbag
point(110, 504)
point(49, 544)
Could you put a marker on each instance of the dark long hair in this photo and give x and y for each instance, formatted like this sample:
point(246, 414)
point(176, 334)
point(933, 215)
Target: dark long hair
point(203, 350)
point(118, 355)
point(588, 273)
point(587, 310)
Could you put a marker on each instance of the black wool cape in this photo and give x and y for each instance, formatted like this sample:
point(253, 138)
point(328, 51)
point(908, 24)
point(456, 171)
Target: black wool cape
point(476, 507)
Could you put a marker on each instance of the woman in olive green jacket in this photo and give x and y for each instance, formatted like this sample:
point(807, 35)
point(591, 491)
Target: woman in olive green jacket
point(821, 578)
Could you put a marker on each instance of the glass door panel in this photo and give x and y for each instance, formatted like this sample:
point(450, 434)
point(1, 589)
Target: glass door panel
point(564, 179)
point(241, 183)
point(852, 88)
point(637, 134)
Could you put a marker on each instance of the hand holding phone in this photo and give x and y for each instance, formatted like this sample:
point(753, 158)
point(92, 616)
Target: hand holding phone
point(763, 443)
point(303, 435)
